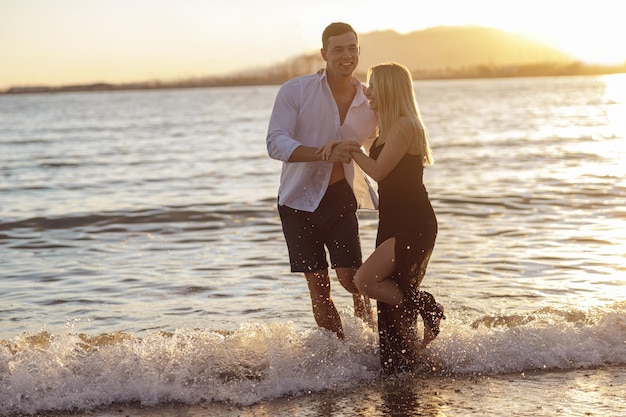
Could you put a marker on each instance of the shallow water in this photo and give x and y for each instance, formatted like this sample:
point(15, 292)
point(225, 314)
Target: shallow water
point(143, 260)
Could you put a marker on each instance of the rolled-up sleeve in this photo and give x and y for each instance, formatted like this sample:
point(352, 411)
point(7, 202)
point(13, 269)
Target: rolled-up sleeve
point(282, 125)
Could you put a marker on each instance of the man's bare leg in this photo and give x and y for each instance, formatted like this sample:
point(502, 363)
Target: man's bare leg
point(324, 310)
point(362, 305)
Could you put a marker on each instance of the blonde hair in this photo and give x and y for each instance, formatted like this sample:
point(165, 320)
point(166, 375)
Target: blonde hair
point(395, 97)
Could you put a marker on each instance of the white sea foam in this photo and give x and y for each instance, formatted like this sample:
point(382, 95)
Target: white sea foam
point(263, 361)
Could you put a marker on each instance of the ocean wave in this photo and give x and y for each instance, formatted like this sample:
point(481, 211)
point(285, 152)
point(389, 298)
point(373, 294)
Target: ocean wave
point(44, 372)
point(101, 221)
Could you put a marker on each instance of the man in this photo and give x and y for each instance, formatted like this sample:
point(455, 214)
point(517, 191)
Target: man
point(317, 199)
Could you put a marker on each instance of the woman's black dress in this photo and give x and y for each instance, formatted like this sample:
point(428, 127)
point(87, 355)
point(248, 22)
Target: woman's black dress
point(405, 212)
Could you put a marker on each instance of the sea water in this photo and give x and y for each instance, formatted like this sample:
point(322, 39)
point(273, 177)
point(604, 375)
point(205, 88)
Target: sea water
point(142, 258)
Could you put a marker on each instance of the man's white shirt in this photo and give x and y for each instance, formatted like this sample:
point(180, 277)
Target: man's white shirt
point(305, 113)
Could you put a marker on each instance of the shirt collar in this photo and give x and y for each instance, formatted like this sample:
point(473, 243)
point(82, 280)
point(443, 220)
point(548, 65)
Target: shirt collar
point(359, 98)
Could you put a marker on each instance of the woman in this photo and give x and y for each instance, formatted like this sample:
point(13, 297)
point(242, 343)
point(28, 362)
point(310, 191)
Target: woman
point(407, 223)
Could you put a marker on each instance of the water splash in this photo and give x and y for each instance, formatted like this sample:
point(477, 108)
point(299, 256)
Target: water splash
point(258, 362)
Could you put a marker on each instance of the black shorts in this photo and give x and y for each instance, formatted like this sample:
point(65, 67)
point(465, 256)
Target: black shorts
point(334, 224)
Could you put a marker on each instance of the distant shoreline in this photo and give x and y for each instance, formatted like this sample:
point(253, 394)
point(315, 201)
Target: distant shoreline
point(484, 71)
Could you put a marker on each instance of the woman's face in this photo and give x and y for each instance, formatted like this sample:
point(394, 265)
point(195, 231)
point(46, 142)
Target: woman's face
point(370, 93)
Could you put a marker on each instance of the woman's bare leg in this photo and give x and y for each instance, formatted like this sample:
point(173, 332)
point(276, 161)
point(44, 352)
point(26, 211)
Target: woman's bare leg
point(373, 278)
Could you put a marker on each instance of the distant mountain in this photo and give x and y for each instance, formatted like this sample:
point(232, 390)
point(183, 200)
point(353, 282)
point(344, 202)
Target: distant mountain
point(440, 51)
point(444, 48)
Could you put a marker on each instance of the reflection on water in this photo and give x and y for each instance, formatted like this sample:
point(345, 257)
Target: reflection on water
point(139, 195)
point(615, 151)
point(141, 251)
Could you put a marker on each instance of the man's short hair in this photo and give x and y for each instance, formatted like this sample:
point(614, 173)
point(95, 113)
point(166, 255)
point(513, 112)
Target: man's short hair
point(335, 29)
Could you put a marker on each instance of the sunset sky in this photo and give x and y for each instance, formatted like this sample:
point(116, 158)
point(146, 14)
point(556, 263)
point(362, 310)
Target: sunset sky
point(56, 42)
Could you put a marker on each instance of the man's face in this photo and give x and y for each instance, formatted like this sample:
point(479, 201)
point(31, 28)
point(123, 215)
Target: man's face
point(341, 54)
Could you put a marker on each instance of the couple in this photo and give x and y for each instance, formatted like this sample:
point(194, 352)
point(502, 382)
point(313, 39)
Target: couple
point(317, 127)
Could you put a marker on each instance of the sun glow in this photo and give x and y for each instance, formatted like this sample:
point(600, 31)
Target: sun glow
point(77, 41)
point(598, 46)
point(593, 33)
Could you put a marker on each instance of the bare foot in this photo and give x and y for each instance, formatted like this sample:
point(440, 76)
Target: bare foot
point(431, 331)
point(363, 309)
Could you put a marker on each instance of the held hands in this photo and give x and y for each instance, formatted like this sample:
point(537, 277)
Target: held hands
point(339, 151)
